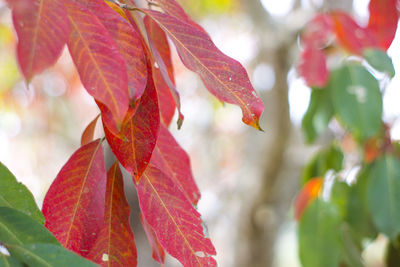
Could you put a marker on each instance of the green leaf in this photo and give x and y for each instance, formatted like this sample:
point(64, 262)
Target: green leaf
point(358, 216)
point(330, 158)
point(8, 261)
point(48, 255)
point(384, 195)
point(15, 195)
point(357, 100)
point(318, 115)
point(380, 61)
point(16, 228)
point(351, 248)
point(319, 241)
point(340, 195)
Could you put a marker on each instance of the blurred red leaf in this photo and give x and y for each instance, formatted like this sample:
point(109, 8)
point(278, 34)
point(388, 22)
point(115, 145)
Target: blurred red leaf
point(100, 65)
point(350, 35)
point(128, 42)
point(140, 132)
point(313, 67)
point(309, 191)
point(88, 133)
point(158, 41)
point(173, 218)
point(42, 28)
point(383, 19)
point(74, 204)
point(175, 163)
point(318, 31)
point(223, 76)
point(115, 244)
point(158, 251)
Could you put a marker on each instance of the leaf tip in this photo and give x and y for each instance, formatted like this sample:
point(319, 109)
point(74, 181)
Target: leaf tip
point(180, 120)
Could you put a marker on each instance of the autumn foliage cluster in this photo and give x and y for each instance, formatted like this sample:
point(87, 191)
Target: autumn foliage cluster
point(122, 55)
point(340, 213)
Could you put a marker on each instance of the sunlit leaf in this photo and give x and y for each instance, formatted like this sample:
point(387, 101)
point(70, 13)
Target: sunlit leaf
point(74, 204)
point(383, 19)
point(88, 133)
point(175, 163)
point(309, 191)
point(358, 216)
point(39, 255)
point(141, 132)
point(166, 99)
point(42, 28)
point(330, 158)
point(17, 228)
point(15, 195)
point(319, 241)
point(174, 220)
point(158, 252)
point(100, 65)
point(128, 42)
point(319, 113)
point(115, 244)
point(383, 195)
point(380, 61)
point(350, 35)
point(313, 67)
point(9, 261)
point(223, 76)
point(357, 100)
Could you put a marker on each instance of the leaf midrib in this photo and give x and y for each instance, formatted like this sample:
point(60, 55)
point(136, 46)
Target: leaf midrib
point(173, 220)
point(201, 63)
point(81, 192)
point(109, 90)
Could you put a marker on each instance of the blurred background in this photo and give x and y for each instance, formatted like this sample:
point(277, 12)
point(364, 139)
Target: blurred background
point(248, 179)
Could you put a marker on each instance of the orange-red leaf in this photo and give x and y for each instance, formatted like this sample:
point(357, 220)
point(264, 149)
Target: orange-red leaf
point(140, 131)
point(310, 191)
point(158, 251)
point(175, 163)
point(115, 244)
point(88, 133)
point(100, 65)
point(159, 44)
point(223, 76)
point(383, 19)
point(74, 204)
point(42, 28)
point(173, 218)
point(350, 35)
point(128, 42)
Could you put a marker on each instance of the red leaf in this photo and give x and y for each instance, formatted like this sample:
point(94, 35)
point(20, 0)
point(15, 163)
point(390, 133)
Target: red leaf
point(310, 191)
point(42, 28)
point(318, 31)
point(350, 35)
point(173, 218)
point(115, 245)
point(223, 76)
point(128, 42)
point(158, 41)
point(313, 67)
point(383, 21)
point(158, 251)
point(100, 65)
point(175, 163)
point(172, 8)
point(88, 133)
point(140, 131)
point(74, 204)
